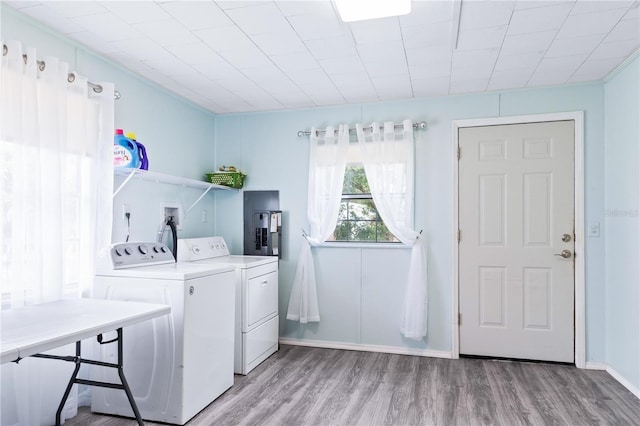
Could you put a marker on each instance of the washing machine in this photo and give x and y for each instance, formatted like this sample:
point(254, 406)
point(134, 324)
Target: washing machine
point(178, 364)
point(256, 319)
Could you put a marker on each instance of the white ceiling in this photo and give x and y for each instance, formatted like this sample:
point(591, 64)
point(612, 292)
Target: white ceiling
point(235, 56)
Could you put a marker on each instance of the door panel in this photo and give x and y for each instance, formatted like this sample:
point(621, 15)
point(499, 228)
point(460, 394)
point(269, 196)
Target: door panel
point(516, 201)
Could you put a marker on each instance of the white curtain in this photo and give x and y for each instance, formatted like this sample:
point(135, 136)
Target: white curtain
point(388, 158)
point(327, 160)
point(56, 181)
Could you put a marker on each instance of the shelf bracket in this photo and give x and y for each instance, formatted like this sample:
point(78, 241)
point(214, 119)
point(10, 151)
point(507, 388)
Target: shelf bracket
point(125, 182)
point(198, 200)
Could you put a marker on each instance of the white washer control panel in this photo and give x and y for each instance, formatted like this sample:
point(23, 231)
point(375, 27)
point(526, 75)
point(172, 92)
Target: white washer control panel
point(191, 249)
point(129, 255)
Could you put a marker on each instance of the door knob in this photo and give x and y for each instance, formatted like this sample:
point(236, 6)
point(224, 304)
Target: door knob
point(566, 254)
point(566, 238)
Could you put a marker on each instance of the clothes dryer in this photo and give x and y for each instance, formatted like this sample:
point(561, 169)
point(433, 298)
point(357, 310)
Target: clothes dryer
point(178, 364)
point(256, 318)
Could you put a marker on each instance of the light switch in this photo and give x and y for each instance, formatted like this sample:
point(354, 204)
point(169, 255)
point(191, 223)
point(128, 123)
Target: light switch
point(594, 229)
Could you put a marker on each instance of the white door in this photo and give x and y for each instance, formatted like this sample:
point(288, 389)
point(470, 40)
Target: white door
point(516, 220)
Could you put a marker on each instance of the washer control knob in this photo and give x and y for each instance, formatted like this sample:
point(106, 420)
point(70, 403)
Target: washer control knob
point(127, 251)
point(118, 251)
point(195, 249)
point(163, 249)
point(156, 249)
point(143, 249)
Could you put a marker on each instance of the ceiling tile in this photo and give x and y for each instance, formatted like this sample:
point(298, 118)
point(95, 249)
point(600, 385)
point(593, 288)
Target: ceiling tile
point(591, 6)
point(170, 67)
point(428, 55)
point(473, 64)
point(384, 68)
point(355, 79)
point(246, 58)
point(532, 4)
point(549, 78)
point(312, 27)
point(427, 12)
point(514, 62)
point(590, 23)
point(309, 77)
point(485, 14)
point(435, 69)
point(625, 30)
point(166, 32)
point(223, 39)
point(279, 43)
point(561, 64)
point(107, 26)
point(615, 49)
point(268, 76)
point(596, 69)
point(234, 4)
point(194, 53)
point(514, 78)
point(293, 8)
point(633, 13)
point(295, 61)
point(196, 15)
point(469, 86)
point(259, 19)
point(53, 19)
point(72, 9)
point(142, 48)
point(435, 34)
point(376, 30)
point(525, 43)
point(216, 70)
point(375, 52)
point(334, 47)
point(342, 65)
point(134, 12)
point(430, 87)
point(539, 19)
point(573, 46)
point(485, 38)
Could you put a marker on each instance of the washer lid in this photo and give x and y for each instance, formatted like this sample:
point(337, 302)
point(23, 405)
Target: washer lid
point(169, 271)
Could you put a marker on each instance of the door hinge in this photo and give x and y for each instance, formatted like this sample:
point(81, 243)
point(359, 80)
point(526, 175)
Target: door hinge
point(459, 235)
point(458, 153)
point(459, 318)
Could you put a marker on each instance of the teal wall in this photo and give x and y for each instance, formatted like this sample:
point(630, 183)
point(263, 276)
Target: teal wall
point(622, 264)
point(361, 289)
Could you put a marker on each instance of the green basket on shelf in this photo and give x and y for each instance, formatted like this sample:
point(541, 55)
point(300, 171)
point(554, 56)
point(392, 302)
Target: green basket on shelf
point(230, 179)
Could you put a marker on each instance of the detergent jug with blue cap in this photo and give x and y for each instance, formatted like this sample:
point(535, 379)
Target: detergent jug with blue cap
point(142, 152)
point(125, 151)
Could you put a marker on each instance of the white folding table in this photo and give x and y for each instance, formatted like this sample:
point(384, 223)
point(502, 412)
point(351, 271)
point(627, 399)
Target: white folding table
point(34, 329)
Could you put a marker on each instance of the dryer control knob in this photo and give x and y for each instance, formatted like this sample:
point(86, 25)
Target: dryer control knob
point(118, 252)
point(143, 249)
point(195, 249)
point(127, 251)
point(156, 249)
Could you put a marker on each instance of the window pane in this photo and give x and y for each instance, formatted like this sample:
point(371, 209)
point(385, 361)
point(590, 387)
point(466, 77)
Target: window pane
point(362, 210)
point(363, 231)
point(355, 181)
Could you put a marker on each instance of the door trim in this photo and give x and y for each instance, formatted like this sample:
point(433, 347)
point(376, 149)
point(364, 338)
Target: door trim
point(579, 289)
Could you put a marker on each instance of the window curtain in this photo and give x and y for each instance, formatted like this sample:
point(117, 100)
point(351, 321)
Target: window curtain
point(56, 184)
point(388, 158)
point(327, 159)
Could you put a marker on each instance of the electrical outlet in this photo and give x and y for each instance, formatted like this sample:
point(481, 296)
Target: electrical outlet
point(204, 216)
point(594, 229)
point(126, 210)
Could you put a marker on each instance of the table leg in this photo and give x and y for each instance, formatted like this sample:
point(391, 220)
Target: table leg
point(70, 385)
point(124, 381)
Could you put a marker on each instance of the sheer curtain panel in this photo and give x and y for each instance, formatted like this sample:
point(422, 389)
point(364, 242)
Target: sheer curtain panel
point(388, 158)
point(327, 159)
point(56, 184)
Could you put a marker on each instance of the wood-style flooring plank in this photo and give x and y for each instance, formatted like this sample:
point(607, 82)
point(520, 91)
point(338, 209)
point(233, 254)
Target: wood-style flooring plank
point(302, 386)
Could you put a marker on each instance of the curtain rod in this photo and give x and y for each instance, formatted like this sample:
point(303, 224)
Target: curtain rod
point(418, 125)
point(70, 78)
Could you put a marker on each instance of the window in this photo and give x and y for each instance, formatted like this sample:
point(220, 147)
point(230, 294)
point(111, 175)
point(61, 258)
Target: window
point(358, 218)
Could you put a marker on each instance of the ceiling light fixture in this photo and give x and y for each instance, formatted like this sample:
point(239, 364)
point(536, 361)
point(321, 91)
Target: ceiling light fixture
point(360, 10)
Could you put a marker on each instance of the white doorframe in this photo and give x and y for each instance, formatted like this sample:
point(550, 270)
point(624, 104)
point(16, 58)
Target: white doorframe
point(579, 308)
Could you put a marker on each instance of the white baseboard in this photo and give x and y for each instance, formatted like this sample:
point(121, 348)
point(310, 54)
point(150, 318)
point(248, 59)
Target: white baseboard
point(624, 382)
point(591, 365)
point(366, 348)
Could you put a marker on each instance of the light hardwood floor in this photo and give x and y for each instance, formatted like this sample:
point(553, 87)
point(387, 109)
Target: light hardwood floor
point(313, 386)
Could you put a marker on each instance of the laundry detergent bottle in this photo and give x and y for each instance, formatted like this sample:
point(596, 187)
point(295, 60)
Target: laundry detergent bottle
point(142, 152)
point(125, 151)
